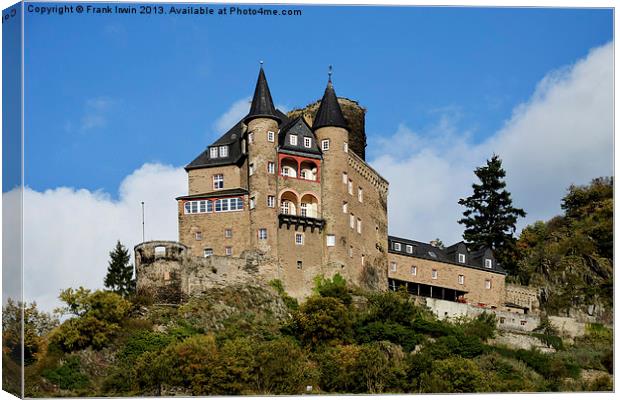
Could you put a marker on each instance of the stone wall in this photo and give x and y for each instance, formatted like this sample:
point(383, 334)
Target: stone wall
point(524, 296)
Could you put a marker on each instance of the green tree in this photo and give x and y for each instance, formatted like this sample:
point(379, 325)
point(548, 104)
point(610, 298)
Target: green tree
point(454, 375)
point(490, 218)
point(119, 278)
point(322, 320)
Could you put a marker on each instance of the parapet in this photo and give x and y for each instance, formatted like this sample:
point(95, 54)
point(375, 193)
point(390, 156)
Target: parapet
point(147, 252)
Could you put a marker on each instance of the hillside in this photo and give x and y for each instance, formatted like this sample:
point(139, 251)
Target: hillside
point(257, 340)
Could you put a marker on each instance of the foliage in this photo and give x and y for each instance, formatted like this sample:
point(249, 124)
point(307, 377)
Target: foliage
point(335, 287)
point(490, 218)
point(36, 324)
point(454, 375)
point(483, 326)
point(119, 278)
point(98, 318)
point(68, 375)
point(290, 302)
point(322, 320)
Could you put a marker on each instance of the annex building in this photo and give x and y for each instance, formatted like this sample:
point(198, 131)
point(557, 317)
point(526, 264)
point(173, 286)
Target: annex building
point(291, 197)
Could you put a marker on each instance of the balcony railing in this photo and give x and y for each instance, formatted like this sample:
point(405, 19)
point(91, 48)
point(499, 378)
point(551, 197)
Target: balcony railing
point(304, 222)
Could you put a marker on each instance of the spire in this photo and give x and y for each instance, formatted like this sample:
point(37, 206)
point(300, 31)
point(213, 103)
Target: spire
point(329, 113)
point(262, 104)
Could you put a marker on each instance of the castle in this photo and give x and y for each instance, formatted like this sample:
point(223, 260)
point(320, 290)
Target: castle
point(291, 197)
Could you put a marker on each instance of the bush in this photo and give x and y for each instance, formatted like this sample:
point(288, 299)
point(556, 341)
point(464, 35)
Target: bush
point(322, 320)
point(454, 375)
point(483, 326)
point(291, 302)
point(335, 287)
point(68, 376)
point(387, 331)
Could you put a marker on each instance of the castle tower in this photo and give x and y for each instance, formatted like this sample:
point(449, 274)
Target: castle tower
point(262, 141)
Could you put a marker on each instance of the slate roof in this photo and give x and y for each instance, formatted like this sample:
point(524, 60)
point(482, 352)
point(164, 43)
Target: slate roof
point(262, 103)
point(473, 259)
point(329, 113)
point(232, 139)
point(299, 127)
point(217, 193)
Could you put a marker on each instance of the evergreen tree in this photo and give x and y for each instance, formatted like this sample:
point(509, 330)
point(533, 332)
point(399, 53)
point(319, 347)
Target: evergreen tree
point(119, 278)
point(490, 218)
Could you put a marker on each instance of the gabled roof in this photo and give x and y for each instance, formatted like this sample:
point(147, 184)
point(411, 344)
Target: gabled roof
point(262, 104)
point(232, 139)
point(448, 255)
point(299, 127)
point(329, 113)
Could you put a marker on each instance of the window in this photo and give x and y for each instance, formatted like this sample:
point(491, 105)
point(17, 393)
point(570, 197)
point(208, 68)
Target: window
point(345, 207)
point(198, 235)
point(409, 248)
point(363, 259)
point(160, 251)
point(325, 144)
point(331, 240)
point(461, 258)
point(228, 233)
point(293, 140)
point(230, 204)
point(207, 252)
point(286, 171)
point(461, 279)
point(262, 234)
point(414, 270)
point(350, 186)
point(351, 251)
point(223, 151)
point(271, 167)
point(307, 142)
point(251, 137)
point(198, 206)
point(360, 194)
point(299, 239)
point(271, 201)
point(359, 225)
point(218, 181)
point(488, 263)
point(213, 152)
point(299, 264)
point(285, 207)
point(243, 147)
point(202, 206)
point(270, 136)
point(251, 169)
point(252, 203)
point(304, 209)
point(396, 246)
point(352, 221)
point(228, 250)
point(345, 178)
point(346, 147)
point(393, 266)
point(434, 274)
point(487, 284)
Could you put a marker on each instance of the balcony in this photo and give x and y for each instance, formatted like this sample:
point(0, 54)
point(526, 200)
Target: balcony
point(298, 220)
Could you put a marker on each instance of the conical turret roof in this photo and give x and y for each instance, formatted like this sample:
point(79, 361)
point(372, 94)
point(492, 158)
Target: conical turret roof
point(329, 113)
point(262, 104)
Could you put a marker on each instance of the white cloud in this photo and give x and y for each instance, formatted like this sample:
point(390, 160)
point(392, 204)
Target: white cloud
point(68, 232)
point(562, 135)
point(95, 115)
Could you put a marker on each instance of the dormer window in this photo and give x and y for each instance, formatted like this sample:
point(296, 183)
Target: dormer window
point(396, 246)
point(223, 151)
point(462, 258)
point(307, 142)
point(488, 263)
point(293, 140)
point(213, 152)
point(409, 249)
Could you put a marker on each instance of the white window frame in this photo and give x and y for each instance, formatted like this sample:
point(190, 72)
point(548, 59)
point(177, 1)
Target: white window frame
point(325, 144)
point(262, 233)
point(345, 207)
point(350, 187)
point(397, 246)
point(251, 137)
point(292, 139)
point(346, 147)
point(393, 266)
point(271, 136)
point(218, 181)
point(488, 263)
point(352, 221)
point(434, 274)
point(307, 142)
point(462, 258)
point(208, 252)
point(461, 279)
point(351, 251)
point(487, 284)
point(299, 239)
point(271, 167)
point(285, 207)
point(414, 270)
point(228, 233)
point(409, 249)
point(330, 240)
point(228, 250)
point(360, 194)
point(359, 225)
point(251, 169)
point(252, 203)
point(223, 151)
point(198, 235)
point(213, 152)
point(271, 201)
point(345, 178)
point(303, 209)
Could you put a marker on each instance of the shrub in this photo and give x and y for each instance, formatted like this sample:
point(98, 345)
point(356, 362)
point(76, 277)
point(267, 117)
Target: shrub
point(68, 375)
point(335, 287)
point(290, 302)
point(454, 375)
point(387, 331)
point(322, 320)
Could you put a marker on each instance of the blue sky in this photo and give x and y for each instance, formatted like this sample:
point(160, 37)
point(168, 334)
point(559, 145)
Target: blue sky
point(116, 105)
point(105, 94)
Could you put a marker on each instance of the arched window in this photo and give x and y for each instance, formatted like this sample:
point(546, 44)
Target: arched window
point(309, 170)
point(309, 206)
point(288, 203)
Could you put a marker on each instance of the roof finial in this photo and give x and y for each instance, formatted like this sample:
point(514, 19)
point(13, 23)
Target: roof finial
point(329, 73)
point(261, 63)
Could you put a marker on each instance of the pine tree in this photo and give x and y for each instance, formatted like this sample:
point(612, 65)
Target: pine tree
point(490, 219)
point(119, 278)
